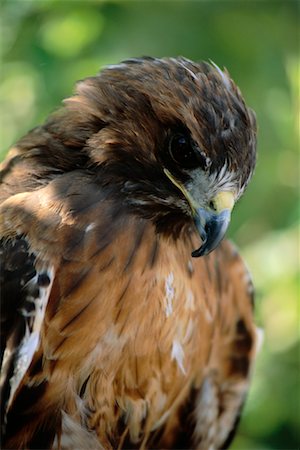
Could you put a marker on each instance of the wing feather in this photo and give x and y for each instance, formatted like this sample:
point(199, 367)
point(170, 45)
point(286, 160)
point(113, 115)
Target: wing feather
point(24, 297)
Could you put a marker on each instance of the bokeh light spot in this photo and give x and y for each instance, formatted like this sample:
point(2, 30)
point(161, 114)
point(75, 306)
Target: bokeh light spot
point(67, 35)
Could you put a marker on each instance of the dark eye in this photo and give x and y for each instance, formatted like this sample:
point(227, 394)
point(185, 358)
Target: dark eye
point(183, 152)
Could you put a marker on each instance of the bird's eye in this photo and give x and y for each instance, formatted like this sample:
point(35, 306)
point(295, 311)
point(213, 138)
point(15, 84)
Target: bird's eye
point(183, 152)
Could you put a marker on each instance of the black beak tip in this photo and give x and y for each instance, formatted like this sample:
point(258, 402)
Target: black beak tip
point(201, 251)
point(205, 249)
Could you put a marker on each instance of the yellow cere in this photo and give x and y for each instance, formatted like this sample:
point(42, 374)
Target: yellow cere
point(224, 200)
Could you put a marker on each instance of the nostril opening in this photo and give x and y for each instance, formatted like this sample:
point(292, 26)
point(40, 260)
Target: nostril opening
point(212, 205)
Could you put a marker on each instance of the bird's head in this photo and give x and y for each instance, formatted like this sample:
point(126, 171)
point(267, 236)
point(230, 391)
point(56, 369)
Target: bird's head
point(176, 139)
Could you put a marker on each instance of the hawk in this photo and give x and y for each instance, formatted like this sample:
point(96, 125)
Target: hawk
point(126, 322)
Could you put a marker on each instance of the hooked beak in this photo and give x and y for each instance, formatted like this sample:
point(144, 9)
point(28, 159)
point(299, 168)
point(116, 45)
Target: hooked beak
point(210, 223)
point(212, 228)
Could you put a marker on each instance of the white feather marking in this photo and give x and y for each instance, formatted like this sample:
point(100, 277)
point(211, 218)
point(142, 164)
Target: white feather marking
point(189, 331)
point(190, 301)
point(193, 75)
point(6, 357)
point(31, 339)
point(206, 412)
point(161, 401)
point(212, 427)
point(90, 227)
point(204, 186)
point(161, 421)
point(170, 293)
point(224, 178)
point(115, 66)
point(178, 355)
point(223, 75)
point(190, 267)
point(208, 315)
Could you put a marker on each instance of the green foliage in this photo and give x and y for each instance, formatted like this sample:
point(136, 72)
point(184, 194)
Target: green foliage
point(47, 45)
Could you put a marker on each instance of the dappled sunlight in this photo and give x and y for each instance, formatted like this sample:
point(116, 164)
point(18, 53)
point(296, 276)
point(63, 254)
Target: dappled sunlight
point(67, 34)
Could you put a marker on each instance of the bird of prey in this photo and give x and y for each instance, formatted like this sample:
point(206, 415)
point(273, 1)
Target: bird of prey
point(126, 322)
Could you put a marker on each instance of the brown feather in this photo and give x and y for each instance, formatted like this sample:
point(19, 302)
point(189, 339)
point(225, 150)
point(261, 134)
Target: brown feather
point(141, 346)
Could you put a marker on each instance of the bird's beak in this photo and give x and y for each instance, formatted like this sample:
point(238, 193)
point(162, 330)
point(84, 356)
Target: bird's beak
point(210, 223)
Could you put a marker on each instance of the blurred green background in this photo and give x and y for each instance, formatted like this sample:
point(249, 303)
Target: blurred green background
point(47, 45)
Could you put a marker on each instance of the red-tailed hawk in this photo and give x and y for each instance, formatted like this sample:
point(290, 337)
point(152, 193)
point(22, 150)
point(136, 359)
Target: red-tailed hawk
point(115, 332)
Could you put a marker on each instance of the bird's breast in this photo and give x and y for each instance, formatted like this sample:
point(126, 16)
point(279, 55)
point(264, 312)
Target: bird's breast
point(138, 313)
